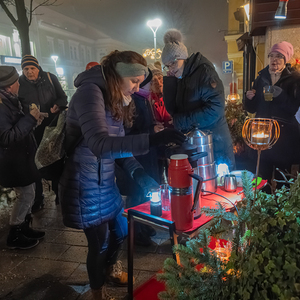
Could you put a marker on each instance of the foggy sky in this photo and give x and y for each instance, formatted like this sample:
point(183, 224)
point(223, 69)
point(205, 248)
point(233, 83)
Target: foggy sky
point(202, 22)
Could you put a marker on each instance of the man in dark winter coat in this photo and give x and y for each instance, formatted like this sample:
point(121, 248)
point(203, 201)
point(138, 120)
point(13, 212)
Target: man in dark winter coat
point(282, 107)
point(17, 151)
point(43, 89)
point(194, 95)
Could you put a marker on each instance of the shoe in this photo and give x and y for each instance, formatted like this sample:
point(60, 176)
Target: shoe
point(102, 294)
point(105, 294)
point(115, 275)
point(29, 232)
point(38, 204)
point(142, 239)
point(17, 240)
point(148, 230)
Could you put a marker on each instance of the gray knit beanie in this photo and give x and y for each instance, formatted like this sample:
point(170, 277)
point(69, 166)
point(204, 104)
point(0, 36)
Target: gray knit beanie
point(8, 76)
point(174, 48)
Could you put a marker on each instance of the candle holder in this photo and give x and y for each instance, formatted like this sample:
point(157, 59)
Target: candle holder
point(155, 202)
point(260, 134)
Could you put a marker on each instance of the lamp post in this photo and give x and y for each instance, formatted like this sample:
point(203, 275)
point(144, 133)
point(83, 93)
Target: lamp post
point(54, 58)
point(154, 24)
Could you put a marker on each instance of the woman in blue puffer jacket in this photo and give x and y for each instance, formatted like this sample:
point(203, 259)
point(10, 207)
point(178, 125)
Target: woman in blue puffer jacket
point(90, 198)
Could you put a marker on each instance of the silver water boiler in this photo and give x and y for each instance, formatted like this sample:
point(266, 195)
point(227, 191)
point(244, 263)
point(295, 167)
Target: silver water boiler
point(206, 166)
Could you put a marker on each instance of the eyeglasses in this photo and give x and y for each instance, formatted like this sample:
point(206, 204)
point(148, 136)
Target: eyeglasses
point(276, 56)
point(172, 64)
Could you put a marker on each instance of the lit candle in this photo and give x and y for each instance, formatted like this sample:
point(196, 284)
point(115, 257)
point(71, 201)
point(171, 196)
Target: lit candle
point(260, 138)
point(155, 203)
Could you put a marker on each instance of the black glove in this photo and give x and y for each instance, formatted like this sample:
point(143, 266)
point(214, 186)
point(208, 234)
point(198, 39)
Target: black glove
point(166, 137)
point(144, 180)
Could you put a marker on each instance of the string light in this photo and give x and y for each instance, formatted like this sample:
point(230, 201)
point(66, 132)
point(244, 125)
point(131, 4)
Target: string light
point(151, 53)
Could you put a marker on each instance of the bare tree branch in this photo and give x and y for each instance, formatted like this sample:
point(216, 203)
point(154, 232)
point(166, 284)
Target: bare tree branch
point(43, 3)
point(7, 11)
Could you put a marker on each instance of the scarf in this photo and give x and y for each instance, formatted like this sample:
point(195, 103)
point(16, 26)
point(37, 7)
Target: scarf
point(13, 98)
point(275, 75)
point(126, 100)
point(143, 93)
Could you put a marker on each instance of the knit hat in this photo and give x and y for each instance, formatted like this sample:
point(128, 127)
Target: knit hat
point(29, 60)
point(174, 48)
point(8, 76)
point(285, 48)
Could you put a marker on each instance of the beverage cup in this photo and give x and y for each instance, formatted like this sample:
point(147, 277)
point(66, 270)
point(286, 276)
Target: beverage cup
point(229, 182)
point(165, 197)
point(268, 92)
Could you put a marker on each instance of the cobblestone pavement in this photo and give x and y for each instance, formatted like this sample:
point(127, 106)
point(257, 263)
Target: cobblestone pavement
point(56, 269)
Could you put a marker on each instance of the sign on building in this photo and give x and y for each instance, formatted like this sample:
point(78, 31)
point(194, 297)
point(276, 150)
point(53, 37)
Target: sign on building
point(227, 67)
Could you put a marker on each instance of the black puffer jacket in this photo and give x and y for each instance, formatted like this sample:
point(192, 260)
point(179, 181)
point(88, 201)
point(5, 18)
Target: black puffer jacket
point(44, 94)
point(283, 108)
point(198, 100)
point(17, 145)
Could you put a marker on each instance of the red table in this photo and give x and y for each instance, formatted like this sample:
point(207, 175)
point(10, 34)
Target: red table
point(141, 213)
point(207, 201)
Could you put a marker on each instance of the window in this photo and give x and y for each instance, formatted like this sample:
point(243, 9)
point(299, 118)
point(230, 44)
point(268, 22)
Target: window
point(61, 47)
point(82, 53)
point(5, 47)
point(88, 54)
point(50, 43)
point(73, 48)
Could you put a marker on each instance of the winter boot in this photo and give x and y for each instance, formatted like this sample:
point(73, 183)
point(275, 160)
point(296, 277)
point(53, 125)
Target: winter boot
point(29, 232)
point(115, 275)
point(17, 240)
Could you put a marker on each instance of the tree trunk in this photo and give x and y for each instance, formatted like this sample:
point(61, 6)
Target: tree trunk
point(23, 26)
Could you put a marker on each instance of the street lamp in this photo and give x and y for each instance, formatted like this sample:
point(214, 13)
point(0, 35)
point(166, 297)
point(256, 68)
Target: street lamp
point(154, 24)
point(54, 58)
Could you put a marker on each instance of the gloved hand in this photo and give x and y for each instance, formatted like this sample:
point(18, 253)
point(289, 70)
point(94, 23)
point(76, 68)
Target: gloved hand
point(166, 137)
point(144, 180)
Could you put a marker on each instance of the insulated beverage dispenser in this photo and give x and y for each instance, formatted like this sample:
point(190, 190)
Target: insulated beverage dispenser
point(180, 174)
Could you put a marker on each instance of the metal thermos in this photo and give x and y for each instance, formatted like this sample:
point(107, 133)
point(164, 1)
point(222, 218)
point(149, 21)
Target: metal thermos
point(206, 167)
point(180, 174)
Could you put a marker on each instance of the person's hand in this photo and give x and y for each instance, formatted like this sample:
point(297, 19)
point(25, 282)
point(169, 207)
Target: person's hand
point(144, 180)
point(54, 109)
point(166, 137)
point(41, 118)
point(159, 127)
point(250, 94)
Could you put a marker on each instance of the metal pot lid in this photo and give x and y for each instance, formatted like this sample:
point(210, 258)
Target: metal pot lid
point(198, 133)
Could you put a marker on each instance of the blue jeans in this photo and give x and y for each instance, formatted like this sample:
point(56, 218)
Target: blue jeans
point(104, 243)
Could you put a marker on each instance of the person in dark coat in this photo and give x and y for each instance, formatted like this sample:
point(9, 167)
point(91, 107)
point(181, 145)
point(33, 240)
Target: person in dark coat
point(143, 122)
point(194, 95)
point(17, 167)
point(43, 89)
point(90, 199)
point(282, 107)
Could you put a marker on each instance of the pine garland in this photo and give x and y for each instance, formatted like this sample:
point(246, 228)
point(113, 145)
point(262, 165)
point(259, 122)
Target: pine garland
point(264, 261)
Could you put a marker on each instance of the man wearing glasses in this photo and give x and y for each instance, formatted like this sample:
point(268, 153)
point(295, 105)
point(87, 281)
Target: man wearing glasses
point(194, 95)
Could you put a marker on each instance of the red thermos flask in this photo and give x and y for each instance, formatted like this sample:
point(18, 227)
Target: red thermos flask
point(180, 174)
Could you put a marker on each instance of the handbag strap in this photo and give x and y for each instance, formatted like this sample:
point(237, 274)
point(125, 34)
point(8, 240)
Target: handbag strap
point(49, 77)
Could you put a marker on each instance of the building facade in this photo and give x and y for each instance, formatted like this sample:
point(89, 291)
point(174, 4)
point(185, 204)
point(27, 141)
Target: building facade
point(52, 34)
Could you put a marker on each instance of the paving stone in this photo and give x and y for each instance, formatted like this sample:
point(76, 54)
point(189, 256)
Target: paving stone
point(79, 276)
point(35, 268)
point(72, 238)
point(46, 287)
point(9, 262)
point(44, 250)
point(74, 253)
point(145, 261)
